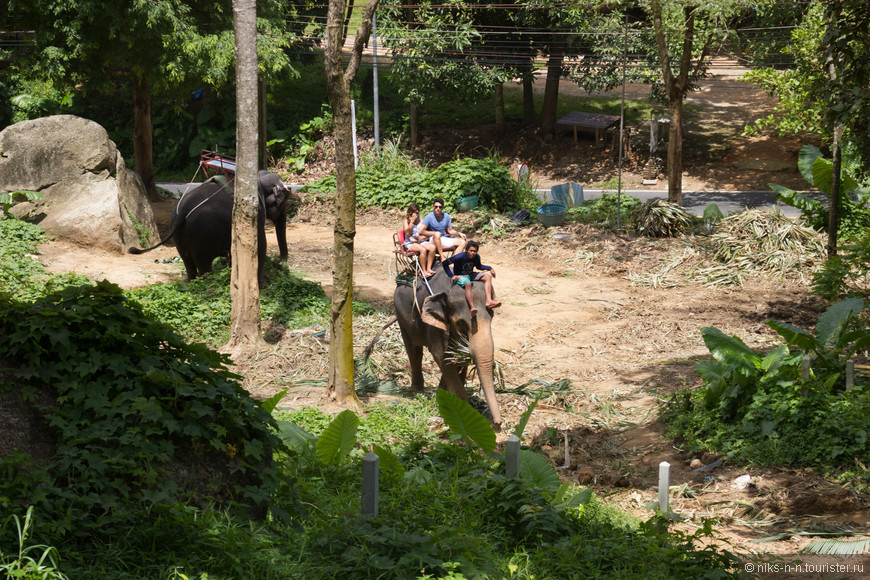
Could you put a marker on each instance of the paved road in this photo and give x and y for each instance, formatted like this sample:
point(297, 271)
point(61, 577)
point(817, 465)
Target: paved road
point(696, 201)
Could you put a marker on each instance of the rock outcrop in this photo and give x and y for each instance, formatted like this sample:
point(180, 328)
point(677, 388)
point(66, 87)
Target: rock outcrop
point(90, 197)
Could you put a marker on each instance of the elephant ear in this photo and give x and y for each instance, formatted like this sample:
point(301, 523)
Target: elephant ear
point(434, 311)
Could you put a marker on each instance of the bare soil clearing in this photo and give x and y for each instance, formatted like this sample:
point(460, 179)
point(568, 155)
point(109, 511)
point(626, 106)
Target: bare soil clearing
point(570, 312)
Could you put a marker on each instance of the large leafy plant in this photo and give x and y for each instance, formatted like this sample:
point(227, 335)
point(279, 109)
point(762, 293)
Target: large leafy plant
point(767, 408)
point(818, 171)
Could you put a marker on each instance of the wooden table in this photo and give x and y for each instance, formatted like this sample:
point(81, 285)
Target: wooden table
point(599, 122)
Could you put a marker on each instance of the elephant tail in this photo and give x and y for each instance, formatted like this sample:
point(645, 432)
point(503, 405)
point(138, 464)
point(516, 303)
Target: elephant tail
point(168, 237)
point(368, 351)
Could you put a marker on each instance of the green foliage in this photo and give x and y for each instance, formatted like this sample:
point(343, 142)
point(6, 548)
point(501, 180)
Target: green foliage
point(20, 274)
point(380, 186)
point(464, 421)
point(338, 438)
point(854, 215)
point(760, 407)
point(7, 200)
point(295, 146)
point(200, 309)
point(25, 566)
point(602, 210)
point(847, 273)
point(130, 396)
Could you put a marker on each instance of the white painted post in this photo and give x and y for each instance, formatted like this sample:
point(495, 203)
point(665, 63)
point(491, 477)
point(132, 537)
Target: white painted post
point(850, 374)
point(664, 485)
point(353, 131)
point(512, 456)
point(805, 373)
point(370, 476)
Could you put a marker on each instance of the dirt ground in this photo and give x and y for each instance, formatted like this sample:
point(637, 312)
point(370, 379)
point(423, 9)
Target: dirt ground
point(570, 311)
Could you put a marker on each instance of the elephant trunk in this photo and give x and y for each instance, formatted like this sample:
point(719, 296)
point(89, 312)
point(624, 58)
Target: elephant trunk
point(482, 352)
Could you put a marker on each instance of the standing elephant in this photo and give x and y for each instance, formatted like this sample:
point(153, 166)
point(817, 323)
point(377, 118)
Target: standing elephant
point(433, 321)
point(202, 223)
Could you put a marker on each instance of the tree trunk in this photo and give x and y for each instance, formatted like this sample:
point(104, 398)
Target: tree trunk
point(834, 209)
point(529, 96)
point(414, 125)
point(244, 289)
point(499, 107)
point(551, 88)
point(341, 383)
point(675, 152)
point(142, 148)
point(262, 150)
point(675, 88)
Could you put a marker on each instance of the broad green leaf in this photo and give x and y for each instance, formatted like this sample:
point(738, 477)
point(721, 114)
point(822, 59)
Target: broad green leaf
point(806, 159)
point(338, 438)
point(834, 319)
point(389, 463)
point(775, 358)
point(823, 170)
point(729, 350)
point(711, 371)
point(539, 471)
point(272, 402)
point(794, 198)
point(464, 420)
point(296, 437)
point(794, 335)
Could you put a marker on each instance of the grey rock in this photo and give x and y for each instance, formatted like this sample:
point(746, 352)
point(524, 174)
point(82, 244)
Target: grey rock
point(91, 198)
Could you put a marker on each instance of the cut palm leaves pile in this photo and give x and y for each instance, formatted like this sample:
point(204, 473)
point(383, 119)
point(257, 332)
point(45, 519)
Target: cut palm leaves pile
point(761, 241)
point(661, 219)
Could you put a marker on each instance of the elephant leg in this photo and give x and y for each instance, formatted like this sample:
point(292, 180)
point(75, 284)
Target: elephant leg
point(453, 380)
point(186, 255)
point(415, 357)
point(280, 222)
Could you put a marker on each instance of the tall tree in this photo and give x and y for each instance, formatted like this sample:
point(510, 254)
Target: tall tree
point(136, 49)
point(245, 294)
point(684, 33)
point(431, 46)
point(829, 100)
point(338, 79)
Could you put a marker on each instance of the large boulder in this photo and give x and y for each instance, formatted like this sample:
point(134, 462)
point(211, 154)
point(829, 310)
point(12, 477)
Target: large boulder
point(91, 198)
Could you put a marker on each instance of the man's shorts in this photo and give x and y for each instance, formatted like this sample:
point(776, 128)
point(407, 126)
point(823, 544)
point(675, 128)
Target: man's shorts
point(463, 280)
point(449, 242)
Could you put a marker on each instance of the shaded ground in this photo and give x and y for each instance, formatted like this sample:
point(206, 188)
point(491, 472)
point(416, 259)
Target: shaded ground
point(570, 313)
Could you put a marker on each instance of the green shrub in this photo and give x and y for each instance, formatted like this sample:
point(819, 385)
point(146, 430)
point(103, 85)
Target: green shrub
point(761, 408)
point(396, 186)
point(602, 210)
point(854, 215)
point(847, 274)
point(126, 399)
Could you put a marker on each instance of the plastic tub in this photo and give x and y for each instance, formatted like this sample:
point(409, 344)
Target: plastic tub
point(466, 203)
point(552, 214)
